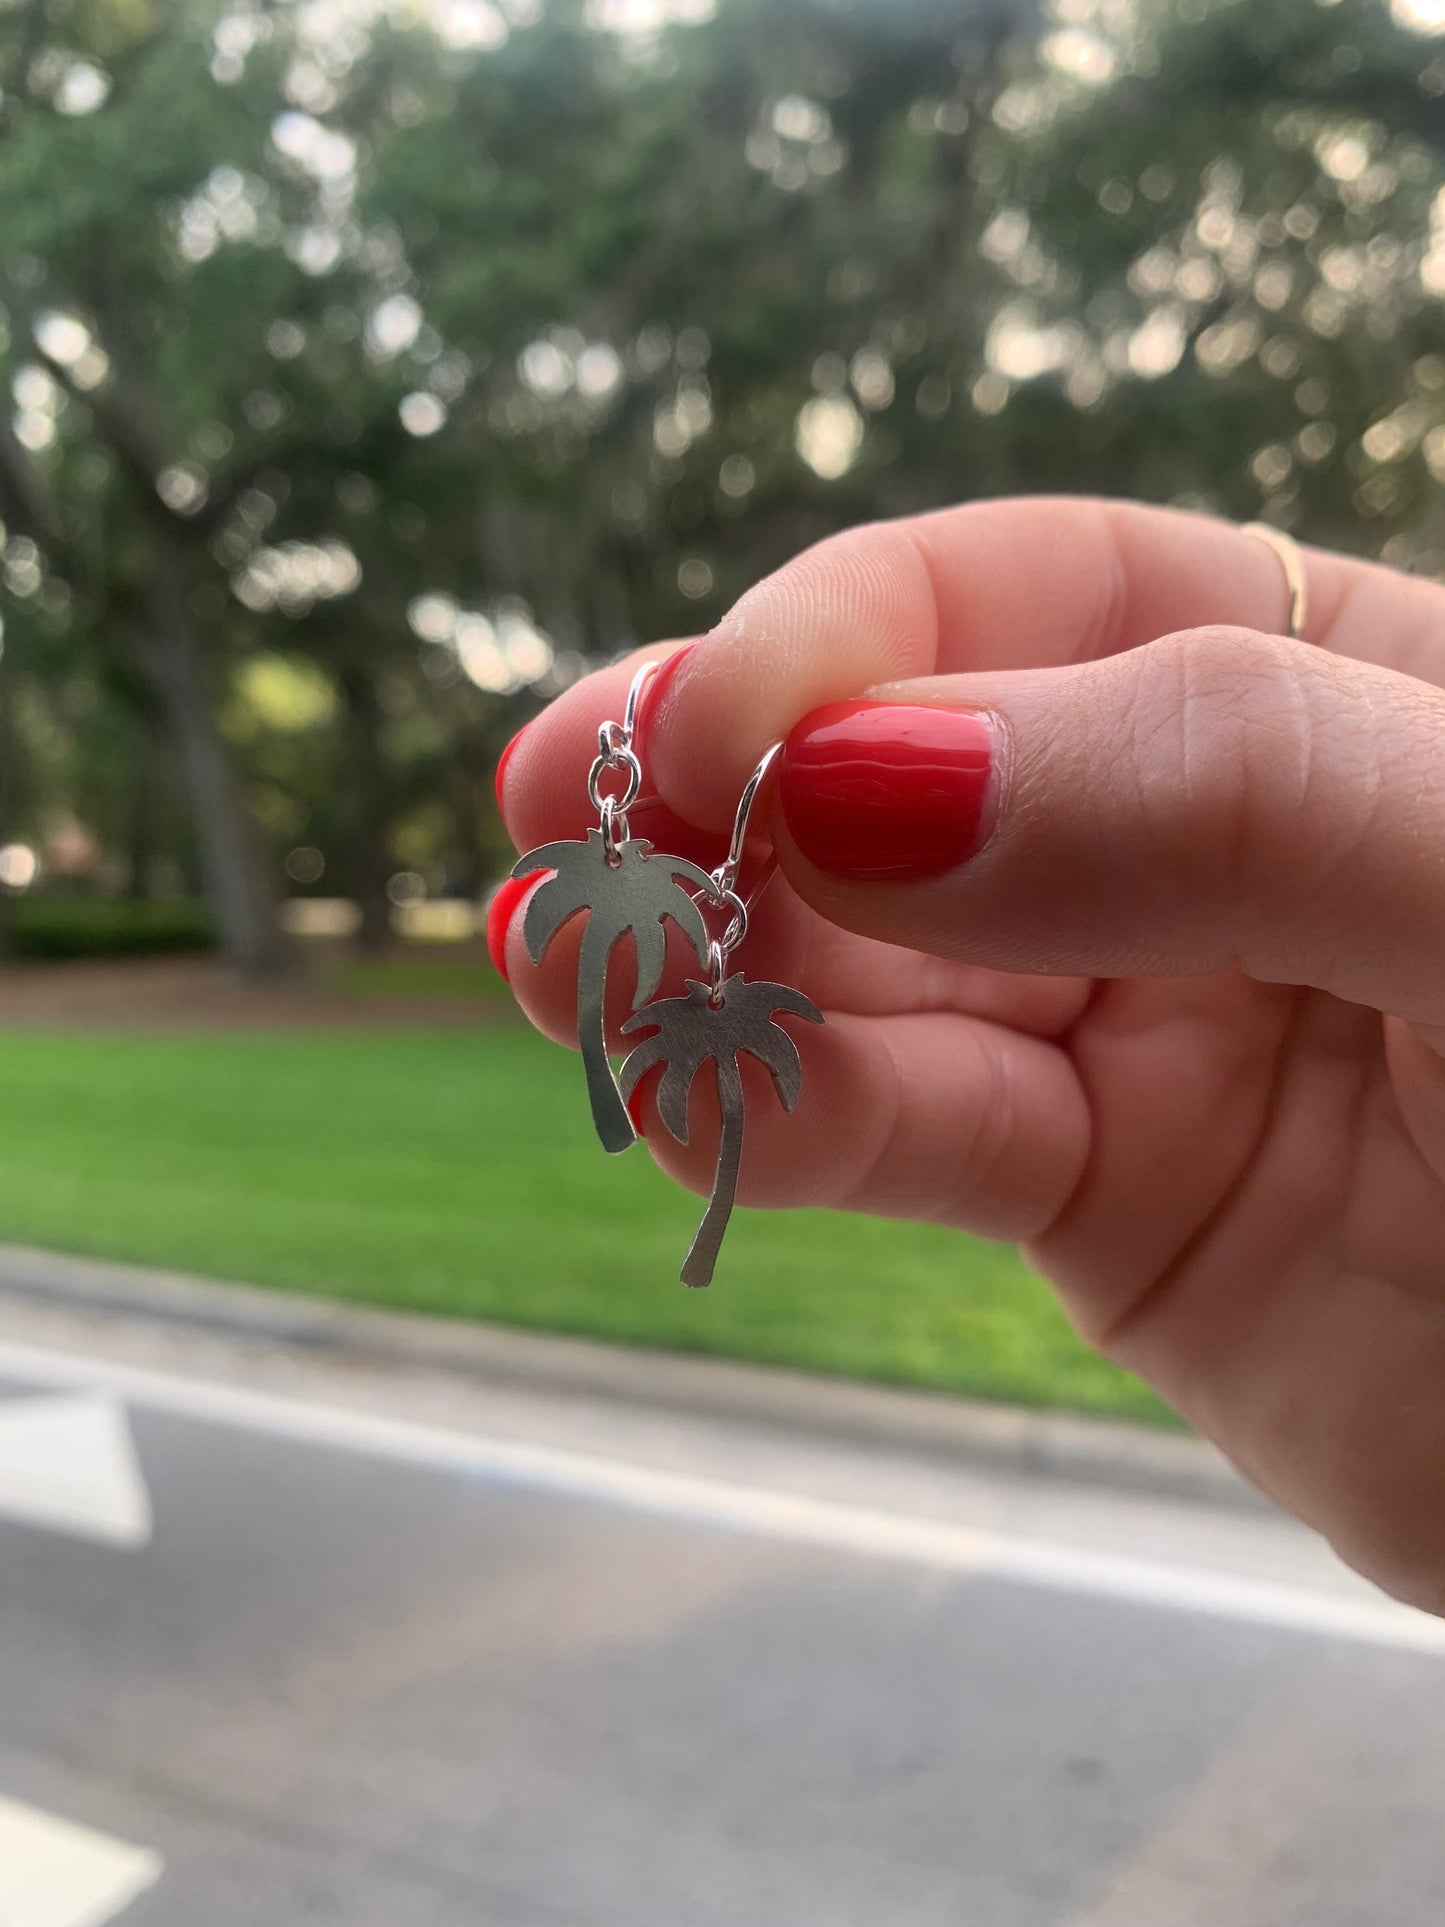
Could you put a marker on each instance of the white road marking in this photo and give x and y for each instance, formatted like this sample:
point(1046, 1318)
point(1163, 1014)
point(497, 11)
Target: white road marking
point(53, 1874)
point(68, 1464)
point(803, 1520)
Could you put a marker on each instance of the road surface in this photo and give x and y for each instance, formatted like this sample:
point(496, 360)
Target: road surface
point(290, 1643)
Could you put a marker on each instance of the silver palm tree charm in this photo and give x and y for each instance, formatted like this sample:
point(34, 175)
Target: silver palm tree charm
point(625, 889)
point(721, 1024)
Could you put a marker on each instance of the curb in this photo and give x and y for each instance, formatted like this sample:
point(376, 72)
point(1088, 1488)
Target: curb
point(1003, 1438)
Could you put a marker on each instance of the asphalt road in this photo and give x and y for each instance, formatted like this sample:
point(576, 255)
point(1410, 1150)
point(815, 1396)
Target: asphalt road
point(306, 1667)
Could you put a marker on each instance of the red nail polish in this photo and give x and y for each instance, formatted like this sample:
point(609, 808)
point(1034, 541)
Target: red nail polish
point(666, 830)
point(500, 911)
point(634, 1105)
point(504, 759)
point(657, 684)
point(887, 792)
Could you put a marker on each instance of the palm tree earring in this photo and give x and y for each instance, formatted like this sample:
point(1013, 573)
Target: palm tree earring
point(625, 888)
point(722, 1020)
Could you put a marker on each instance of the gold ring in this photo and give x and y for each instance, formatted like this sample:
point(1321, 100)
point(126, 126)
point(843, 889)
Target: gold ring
point(1292, 560)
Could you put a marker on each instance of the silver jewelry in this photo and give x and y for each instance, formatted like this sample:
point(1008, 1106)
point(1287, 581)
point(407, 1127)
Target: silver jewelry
point(626, 889)
point(722, 1020)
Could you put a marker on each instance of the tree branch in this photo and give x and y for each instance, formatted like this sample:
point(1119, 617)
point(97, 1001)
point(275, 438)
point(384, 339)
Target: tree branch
point(24, 496)
point(32, 31)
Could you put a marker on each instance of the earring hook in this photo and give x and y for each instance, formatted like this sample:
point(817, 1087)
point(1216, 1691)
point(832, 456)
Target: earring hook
point(645, 672)
point(726, 874)
point(616, 754)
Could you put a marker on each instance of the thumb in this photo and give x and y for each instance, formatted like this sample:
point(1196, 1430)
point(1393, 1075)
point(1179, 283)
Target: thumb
point(1217, 798)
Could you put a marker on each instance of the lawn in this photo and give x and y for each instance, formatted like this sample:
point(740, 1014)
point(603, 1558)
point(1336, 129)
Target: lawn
point(438, 978)
point(454, 1172)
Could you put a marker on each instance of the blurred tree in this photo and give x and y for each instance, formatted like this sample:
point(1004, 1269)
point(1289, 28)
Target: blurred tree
point(374, 366)
point(1256, 319)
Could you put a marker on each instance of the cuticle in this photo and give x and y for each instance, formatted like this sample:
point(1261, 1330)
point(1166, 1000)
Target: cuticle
point(1000, 778)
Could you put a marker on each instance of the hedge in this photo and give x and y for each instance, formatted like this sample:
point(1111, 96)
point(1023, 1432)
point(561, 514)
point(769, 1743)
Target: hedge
point(47, 929)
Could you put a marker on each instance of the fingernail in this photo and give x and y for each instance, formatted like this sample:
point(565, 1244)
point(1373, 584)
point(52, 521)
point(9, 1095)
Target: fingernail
point(657, 685)
point(888, 792)
point(504, 759)
point(666, 830)
point(500, 911)
point(651, 817)
point(634, 1107)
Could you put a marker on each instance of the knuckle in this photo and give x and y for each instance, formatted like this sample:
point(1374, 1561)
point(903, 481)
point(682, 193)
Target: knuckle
point(1265, 784)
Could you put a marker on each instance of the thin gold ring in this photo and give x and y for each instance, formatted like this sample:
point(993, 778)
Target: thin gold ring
point(1292, 560)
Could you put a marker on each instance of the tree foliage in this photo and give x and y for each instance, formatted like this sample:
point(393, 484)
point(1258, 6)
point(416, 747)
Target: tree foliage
point(373, 367)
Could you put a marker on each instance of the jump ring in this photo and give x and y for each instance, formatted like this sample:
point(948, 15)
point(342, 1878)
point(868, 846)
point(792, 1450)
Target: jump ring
point(611, 817)
point(728, 899)
point(717, 963)
point(627, 763)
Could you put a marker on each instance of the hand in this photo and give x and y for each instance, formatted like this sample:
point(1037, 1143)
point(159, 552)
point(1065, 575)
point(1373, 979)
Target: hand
point(1160, 992)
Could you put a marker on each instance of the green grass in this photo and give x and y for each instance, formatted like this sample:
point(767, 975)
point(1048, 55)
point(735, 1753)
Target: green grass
point(456, 1173)
point(451, 979)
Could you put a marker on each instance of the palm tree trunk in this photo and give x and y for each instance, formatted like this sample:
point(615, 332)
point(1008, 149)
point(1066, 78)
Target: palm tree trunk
point(700, 1262)
point(609, 1113)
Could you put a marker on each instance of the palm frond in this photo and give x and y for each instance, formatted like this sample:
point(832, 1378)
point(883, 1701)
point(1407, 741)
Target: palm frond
point(676, 1041)
point(652, 893)
point(688, 918)
point(651, 1052)
point(783, 997)
point(550, 856)
point(650, 942)
point(673, 1092)
point(779, 1055)
point(550, 907)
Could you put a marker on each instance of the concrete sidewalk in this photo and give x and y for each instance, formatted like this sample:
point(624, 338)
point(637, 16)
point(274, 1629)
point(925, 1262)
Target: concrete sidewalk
point(999, 1438)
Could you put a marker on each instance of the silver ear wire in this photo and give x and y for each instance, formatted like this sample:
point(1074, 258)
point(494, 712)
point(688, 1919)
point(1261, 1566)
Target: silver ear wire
point(615, 753)
point(725, 876)
point(645, 672)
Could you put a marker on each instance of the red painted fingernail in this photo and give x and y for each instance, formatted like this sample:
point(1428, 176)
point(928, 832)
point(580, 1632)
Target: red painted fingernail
point(887, 792)
point(634, 1106)
point(657, 685)
point(666, 830)
point(504, 759)
point(500, 911)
